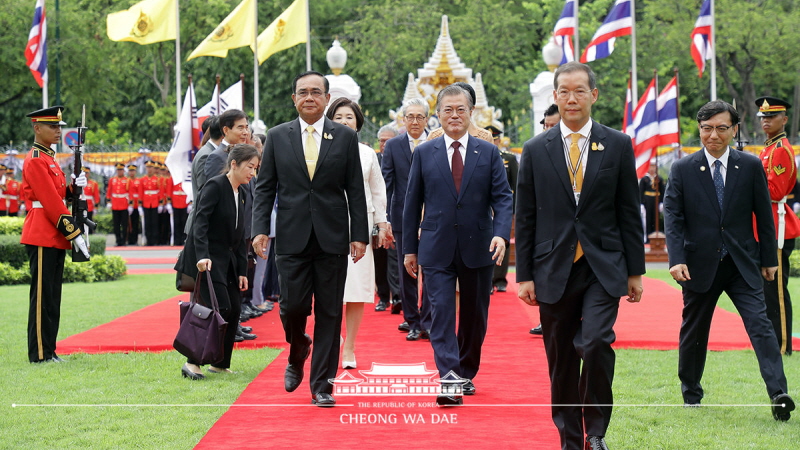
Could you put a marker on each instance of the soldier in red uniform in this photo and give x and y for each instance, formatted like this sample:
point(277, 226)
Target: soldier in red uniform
point(779, 164)
point(135, 204)
point(150, 194)
point(3, 206)
point(92, 194)
point(118, 194)
point(47, 232)
point(179, 213)
point(11, 193)
point(165, 210)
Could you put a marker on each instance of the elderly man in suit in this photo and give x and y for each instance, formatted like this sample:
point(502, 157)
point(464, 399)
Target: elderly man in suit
point(462, 184)
point(313, 166)
point(395, 167)
point(711, 200)
point(579, 249)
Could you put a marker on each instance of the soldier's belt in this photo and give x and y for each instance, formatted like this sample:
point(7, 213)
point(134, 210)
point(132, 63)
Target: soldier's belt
point(152, 192)
point(38, 204)
point(119, 195)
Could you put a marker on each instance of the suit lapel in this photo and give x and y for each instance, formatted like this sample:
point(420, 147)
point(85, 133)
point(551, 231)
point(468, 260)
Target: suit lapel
point(325, 146)
point(440, 158)
point(555, 151)
point(473, 152)
point(295, 137)
point(406, 149)
point(706, 174)
point(731, 178)
point(593, 160)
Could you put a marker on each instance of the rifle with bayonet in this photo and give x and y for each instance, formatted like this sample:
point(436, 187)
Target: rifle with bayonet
point(79, 206)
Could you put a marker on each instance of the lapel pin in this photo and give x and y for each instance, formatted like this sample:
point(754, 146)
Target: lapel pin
point(597, 147)
point(736, 167)
point(327, 136)
point(476, 152)
point(702, 168)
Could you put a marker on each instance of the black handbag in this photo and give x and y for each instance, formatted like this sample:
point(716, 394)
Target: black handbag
point(202, 331)
point(185, 275)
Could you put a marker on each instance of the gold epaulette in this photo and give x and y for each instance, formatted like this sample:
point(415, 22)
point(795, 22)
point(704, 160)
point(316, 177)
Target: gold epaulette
point(37, 147)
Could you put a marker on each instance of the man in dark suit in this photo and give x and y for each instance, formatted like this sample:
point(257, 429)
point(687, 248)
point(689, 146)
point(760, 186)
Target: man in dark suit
point(461, 183)
point(579, 249)
point(709, 206)
point(313, 166)
point(199, 178)
point(235, 130)
point(395, 167)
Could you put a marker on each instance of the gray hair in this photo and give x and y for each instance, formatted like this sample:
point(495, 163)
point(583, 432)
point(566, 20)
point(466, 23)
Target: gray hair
point(387, 129)
point(416, 102)
point(453, 90)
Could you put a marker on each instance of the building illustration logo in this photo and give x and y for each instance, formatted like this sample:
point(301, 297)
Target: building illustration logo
point(397, 380)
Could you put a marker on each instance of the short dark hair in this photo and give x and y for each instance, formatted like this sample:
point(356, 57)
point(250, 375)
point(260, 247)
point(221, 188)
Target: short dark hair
point(307, 73)
point(344, 101)
point(229, 117)
point(453, 90)
point(240, 153)
point(211, 126)
point(469, 89)
point(715, 107)
point(574, 66)
point(551, 110)
point(261, 137)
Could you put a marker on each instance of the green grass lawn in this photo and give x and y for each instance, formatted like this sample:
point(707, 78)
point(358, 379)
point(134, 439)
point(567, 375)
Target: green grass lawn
point(648, 414)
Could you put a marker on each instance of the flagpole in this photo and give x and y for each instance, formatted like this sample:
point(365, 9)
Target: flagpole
point(218, 105)
point(177, 59)
point(241, 78)
point(678, 106)
point(634, 83)
point(713, 54)
point(575, 39)
point(308, 38)
point(656, 186)
point(255, 64)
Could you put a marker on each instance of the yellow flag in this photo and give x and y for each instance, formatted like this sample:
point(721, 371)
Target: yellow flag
point(237, 30)
point(288, 30)
point(146, 22)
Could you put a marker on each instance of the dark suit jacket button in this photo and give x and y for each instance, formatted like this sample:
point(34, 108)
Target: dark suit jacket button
point(458, 206)
point(577, 220)
point(312, 191)
point(456, 225)
point(572, 247)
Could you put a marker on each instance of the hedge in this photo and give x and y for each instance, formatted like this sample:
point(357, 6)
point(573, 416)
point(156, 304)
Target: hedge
point(14, 254)
point(99, 268)
point(13, 225)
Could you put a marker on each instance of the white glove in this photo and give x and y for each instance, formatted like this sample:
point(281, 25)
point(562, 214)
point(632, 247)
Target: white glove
point(81, 244)
point(160, 209)
point(189, 208)
point(80, 180)
point(108, 205)
point(141, 212)
point(169, 208)
point(130, 210)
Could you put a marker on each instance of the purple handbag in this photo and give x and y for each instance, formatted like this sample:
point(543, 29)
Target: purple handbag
point(202, 331)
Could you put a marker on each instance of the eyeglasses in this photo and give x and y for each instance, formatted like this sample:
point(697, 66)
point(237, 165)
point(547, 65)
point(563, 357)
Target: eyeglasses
point(316, 93)
point(707, 129)
point(579, 94)
point(450, 111)
point(418, 119)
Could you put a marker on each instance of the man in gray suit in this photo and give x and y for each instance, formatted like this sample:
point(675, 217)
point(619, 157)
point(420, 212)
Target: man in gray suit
point(313, 166)
point(199, 178)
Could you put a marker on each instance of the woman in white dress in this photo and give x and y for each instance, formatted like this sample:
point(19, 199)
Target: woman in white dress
point(360, 284)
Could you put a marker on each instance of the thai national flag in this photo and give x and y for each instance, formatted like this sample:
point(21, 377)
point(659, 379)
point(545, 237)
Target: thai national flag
point(36, 50)
point(618, 23)
point(667, 103)
point(565, 30)
point(645, 121)
point(701, 38)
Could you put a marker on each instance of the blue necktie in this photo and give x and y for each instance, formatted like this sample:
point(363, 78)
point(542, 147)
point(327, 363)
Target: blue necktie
point(719, 186)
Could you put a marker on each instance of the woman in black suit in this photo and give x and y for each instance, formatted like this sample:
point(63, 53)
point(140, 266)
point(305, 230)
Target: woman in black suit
point(219, 241)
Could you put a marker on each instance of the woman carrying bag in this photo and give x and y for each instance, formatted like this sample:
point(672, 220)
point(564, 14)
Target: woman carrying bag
point(219, 241)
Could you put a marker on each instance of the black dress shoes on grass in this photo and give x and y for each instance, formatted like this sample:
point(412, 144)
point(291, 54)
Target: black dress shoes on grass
point(782, 406)
point(323, 399)
point(187, 373)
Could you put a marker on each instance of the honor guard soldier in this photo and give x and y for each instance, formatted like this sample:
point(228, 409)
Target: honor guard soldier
point(3, 206)
point(11, 193)
point(151, 199)
point(134, 205)
point(779, 165)
point(118, 194)
point(92, 194)
point(165, 209)
point(180, 206)
point(47, 232)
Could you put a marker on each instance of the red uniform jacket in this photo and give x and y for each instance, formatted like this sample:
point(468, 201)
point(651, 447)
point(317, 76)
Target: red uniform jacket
point(179, 196)
point(92, 193)
point(135, 191)
point(44, 187)
point(778, 160)
point(118, 193)
point(11, 196)
point(150, 191)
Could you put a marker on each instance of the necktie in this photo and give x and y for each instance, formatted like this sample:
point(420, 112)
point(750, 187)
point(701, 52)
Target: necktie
point(458, 165)
point(719, 186)
point(311, 151)
point(416, 143)
point(576, 175)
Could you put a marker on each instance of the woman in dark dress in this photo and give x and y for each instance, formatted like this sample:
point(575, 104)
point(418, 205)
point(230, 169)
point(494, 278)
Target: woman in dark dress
point(219, 246)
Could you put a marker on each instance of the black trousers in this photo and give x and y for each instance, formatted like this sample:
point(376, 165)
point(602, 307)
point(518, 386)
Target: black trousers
point(387, 278)
point(230, 306)
point(179, 216)
point(120, 218)
point(418, 317)
point(164, 231)
point(44, 313)
point(698, 309)
point(321, 276)
point(779, 310)
point(151, 225)
point(136, 227)
point(458, 350)
point(578, 331)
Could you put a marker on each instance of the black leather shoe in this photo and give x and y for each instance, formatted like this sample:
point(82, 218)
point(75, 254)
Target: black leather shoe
point(425, 334)
point(243, 317)
point(397, 306)
point(404, 327)
point(782, 406)
point(292, 377)
point(252, 312)
point(413, 335)
point(246, 336)
point(501, 288)
point(595, 443)
point(187, 373)
point(537, 331)
point(246, 329)
point(468, 388)
point(449, 400)
point(323, 400)
point(381, 306)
